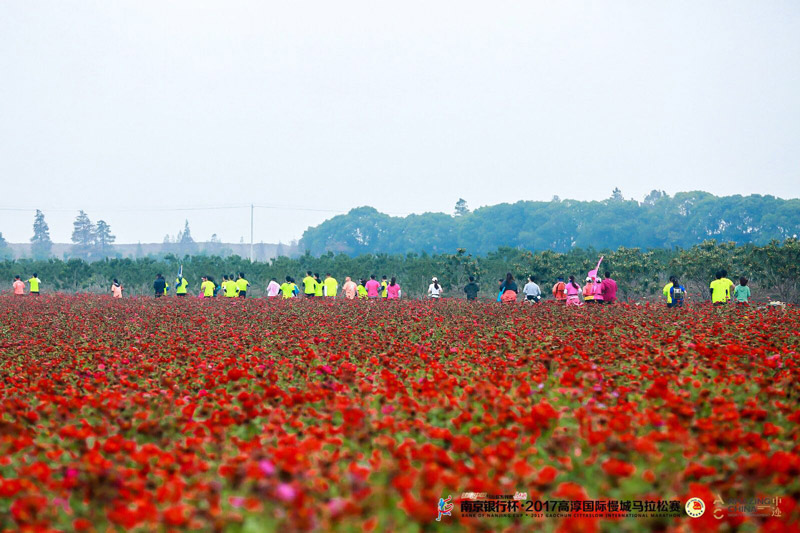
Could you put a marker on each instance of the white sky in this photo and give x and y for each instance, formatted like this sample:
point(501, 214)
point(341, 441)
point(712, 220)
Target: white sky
point(406, 106)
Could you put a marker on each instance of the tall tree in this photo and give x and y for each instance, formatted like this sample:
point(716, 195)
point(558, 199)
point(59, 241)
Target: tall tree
point(5, 251)
point(186, 234)
point(461, 208)
point(41, 245)
point(103, 238)
point(83, 235)
point(186, 245)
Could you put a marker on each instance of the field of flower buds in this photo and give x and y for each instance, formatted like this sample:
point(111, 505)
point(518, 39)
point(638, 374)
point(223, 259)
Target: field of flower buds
point(257, 415)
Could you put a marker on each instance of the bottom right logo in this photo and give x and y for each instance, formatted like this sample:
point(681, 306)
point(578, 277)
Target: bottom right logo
point(695, 507)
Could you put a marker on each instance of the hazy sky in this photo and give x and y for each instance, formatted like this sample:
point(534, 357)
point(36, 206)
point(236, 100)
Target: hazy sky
point(116, 107)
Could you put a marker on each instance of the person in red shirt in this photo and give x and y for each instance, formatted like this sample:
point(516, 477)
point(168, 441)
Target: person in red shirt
point(609, 289)
point(560, 291)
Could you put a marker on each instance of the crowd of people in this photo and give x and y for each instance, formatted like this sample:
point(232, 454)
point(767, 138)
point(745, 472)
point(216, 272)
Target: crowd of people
point(595, 291)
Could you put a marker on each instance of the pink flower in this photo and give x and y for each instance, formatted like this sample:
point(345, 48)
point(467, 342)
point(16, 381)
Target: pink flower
point(266, 467)
point(286, 492)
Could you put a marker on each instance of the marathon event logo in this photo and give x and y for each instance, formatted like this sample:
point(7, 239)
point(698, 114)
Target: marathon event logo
point(695, 507)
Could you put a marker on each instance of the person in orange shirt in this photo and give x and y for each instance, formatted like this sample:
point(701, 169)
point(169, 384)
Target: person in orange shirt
point(349, 288)
point(116, 289)
point(19, 286)
point(560, 291)
point(588, 291)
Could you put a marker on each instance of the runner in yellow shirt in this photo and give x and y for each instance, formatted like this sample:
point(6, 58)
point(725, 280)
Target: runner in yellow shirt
point(207, 287)
point(720, 292)
point(242, 285)
point(730, 285)
point(288, 288)
point(309, 285)
point(34, 285)
point(330, 286)
point(230, 287)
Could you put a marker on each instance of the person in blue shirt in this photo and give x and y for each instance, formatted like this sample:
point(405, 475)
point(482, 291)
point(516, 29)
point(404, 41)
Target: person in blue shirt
point(677, 293)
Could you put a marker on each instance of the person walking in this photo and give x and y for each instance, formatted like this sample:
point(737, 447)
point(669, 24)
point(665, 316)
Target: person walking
point(273, 288)
point(159, 286)
point(532, 291)
point(573, 292)
point(242, 285)
point(33, 285)
point(331, 286)
point(608, 288)
point(675, 292)
point(588, 291)
point(373, 287)
point(181, 285)
point(309, 285)
point(207, 287)
point(350, 288)
point(720, 294)
point(471, 289)
point(434, 289)
point(560, 290)
point(393, 290)
point(725, 281)
point(384, 284)
point(19, 286)
point(287, 288)
point(116, 289)
point(741, 293)
point(597, 287)
point(509, 289)
point(362, 290)
point(230, 288)
point(319, 291)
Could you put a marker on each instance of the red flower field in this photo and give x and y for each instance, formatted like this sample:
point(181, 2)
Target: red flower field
point(264, 415)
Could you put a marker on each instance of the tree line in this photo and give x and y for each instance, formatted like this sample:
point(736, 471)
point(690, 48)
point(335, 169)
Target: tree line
point(659, 221)
point(773, 268)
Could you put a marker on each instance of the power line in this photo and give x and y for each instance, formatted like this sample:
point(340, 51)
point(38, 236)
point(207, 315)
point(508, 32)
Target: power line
point(187, 208)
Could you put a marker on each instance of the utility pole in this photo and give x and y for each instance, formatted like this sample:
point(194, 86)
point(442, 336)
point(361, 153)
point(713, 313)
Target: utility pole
point(251, 233)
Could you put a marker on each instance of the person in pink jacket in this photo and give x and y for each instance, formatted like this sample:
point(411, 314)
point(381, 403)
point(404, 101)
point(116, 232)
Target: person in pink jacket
point(373, 287)
point(573, 291)
point(350, 288)
point(393, 290)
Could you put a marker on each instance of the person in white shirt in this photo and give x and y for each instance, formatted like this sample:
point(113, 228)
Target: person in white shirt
point(532, 291)
point(273, 288)
point(435, 290)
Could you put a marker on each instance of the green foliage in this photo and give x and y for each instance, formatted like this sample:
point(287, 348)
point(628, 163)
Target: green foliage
point(660, 221)
point(773, 269)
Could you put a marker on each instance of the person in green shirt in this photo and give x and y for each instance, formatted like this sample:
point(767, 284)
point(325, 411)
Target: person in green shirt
point(34, 285)
point(667, 290)
point(180, 286)
point(242, 285)
point(741, 294)
point(207, 287)
point(230, 287)
point(309, 285)
point(318, 290)
point(287, 288)
point(330, 286)
point(724, 279)
point(362, 290)
point(719, 290)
